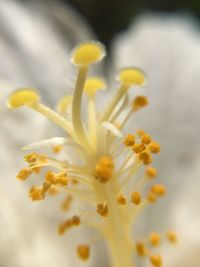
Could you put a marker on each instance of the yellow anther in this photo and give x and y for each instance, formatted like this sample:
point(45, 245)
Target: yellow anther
point(23, 96)
point(146, 139)
point(151, 172)
point(106, 161)
point(24, 174)
point(35, 158)
point(65, 205)
point(158, 189)
point(83, 252)
point(36, 169)
point(154, 147)
point(88, 53)
point(156, 260)
point(129, 140)
point(154, 239)
point(139, 102)
point(138, 148)
point(94, 84)
point(75, 220)
point(104, 169)
point(145, 157)
point(45, 187)
point(61, 178)
point(57, 149)
point(102, 209)
point(121, 199)
point(136, 198)
point(50, 177)
point(103, 173)
point(131, 76)
point(151, 197)
point(141, 249)
point(140, 132)
point(64, 226)
point(36, 193)
point(171, 236)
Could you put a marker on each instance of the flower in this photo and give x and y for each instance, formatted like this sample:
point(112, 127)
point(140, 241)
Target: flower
point(109, 171)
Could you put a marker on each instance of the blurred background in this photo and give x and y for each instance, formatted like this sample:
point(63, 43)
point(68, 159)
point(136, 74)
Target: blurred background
point(161, 37)
point(108, 17)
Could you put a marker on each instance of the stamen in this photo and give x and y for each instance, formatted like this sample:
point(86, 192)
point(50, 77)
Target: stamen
point(83, 252)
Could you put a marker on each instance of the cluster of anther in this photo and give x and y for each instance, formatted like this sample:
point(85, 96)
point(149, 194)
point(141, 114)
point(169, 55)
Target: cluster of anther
point(147, 247)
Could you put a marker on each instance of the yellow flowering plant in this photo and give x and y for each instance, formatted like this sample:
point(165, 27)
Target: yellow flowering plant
point(111, 172)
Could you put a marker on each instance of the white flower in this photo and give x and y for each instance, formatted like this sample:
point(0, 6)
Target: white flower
point(168, 49)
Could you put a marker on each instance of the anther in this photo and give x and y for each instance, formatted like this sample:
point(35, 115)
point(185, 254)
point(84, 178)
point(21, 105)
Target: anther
point(129, 140)
point(83, 252)
point(139, 102)
point(151, 172)
point(121, 200)
point(154, 239)
point(156, 260)
point(24, 174)
point(141, 249)
point(136, 198)
point(171, 236)
point(154, 147)
point(102, 209)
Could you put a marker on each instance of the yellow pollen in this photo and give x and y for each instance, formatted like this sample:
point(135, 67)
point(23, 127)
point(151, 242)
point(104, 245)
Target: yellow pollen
point(24, 174)
point(23, 96)
point(145, 157)
point(156, 260)
point(171, 236)
point(154, 239)
point(83, 252)
point(104, 169)
point(151, 172)
point(74, 221)
point(129, 140)
point(88, 53)
point(102, 209)
point(145, 139)
point(154, 147)
point(94, 84)
point(138, 148)
point(139, 102)
point(132, 76)
point(34, 157)
point(36, 193)
point(136, 198)
point(158, 189)
point(50, 177)
point(61, 178)
point(45, 187)
point(121, 199)
point(57, 149)
point(141, 249)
